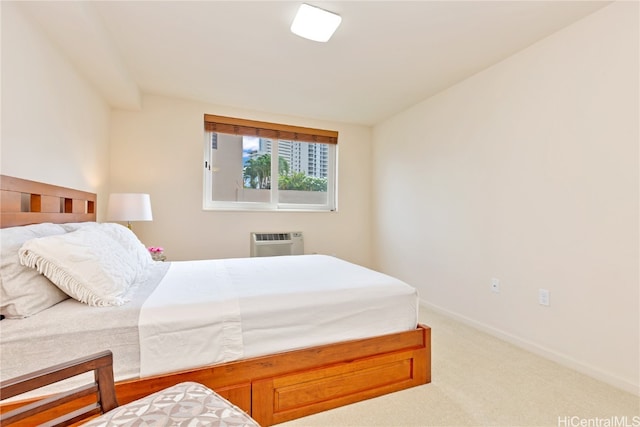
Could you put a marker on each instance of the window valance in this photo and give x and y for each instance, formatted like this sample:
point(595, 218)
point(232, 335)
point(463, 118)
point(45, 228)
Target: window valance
point(245, 127)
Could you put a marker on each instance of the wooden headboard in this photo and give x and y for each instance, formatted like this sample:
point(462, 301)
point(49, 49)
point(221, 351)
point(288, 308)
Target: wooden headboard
point(24, 202)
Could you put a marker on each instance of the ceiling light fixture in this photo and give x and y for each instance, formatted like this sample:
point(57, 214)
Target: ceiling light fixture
point(314, 23)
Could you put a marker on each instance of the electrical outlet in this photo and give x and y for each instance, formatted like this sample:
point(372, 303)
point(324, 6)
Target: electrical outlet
point(543, 297)
point(495, 285)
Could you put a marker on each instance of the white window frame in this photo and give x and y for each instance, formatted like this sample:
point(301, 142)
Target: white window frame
point(209, 204)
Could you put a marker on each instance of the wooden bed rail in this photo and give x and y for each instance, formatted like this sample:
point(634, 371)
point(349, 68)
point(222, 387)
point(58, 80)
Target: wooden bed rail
point(281, 387)
point(29, 202)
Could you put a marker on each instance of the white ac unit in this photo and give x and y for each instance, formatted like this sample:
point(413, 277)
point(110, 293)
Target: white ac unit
point(275, 244)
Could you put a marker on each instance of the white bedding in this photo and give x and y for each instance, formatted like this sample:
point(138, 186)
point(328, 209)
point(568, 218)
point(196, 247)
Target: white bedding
point(194, 309)
point(282, 303)
point(222, 310)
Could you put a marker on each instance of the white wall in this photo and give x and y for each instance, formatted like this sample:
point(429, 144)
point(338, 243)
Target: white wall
point(527, 172)
point(54, 124)
point(159, 150)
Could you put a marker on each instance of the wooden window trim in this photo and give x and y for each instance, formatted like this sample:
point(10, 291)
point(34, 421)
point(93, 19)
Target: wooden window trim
point(246, 127)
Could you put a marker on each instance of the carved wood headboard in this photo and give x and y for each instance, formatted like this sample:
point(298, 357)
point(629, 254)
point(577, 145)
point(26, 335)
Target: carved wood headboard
point(24, 202)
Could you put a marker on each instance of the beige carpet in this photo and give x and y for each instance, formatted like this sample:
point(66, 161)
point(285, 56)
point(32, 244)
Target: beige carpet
point(478, 380)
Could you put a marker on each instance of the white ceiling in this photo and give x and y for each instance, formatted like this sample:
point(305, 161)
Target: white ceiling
point(385, 56)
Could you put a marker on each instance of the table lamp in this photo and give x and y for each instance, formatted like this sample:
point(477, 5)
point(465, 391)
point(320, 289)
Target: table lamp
point(127, 207)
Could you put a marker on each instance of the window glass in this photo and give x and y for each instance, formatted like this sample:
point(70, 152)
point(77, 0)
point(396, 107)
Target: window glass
point(303, 172)
point(239, 173)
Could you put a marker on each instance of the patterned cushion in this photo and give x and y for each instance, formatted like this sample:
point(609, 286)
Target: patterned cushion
point(185, 404)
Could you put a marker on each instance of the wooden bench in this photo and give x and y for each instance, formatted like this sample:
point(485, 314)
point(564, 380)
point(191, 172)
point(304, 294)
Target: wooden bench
point(179, 403)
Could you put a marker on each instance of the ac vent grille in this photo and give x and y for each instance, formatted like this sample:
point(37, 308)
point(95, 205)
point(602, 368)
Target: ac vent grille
point(263, 237)
point(274, 244)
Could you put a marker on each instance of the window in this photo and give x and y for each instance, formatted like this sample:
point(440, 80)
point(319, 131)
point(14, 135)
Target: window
point(242, 157)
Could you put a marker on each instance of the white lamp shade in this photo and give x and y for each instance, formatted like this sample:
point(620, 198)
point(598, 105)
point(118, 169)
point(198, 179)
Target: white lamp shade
point(129, 207)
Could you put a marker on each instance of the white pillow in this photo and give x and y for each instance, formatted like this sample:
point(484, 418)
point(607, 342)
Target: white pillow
point(75, 226)
point(23, 291)
point(129, 242)
point(86, 264)
point(122, 235)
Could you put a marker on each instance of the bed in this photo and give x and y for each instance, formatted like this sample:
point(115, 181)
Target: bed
point(282, 350)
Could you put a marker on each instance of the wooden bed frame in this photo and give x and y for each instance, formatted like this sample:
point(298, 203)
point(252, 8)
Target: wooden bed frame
point(273, 388)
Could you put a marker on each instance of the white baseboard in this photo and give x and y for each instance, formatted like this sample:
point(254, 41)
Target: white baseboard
point(560, 358)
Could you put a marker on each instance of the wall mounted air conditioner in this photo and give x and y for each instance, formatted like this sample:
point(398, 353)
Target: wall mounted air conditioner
point(275, 244)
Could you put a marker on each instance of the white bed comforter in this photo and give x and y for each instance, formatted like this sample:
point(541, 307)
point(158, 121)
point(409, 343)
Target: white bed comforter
point(196, 313)
point(194, 309)
point(213, 311)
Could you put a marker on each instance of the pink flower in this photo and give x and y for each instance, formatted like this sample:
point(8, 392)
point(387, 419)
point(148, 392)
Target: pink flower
point(155, 249)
